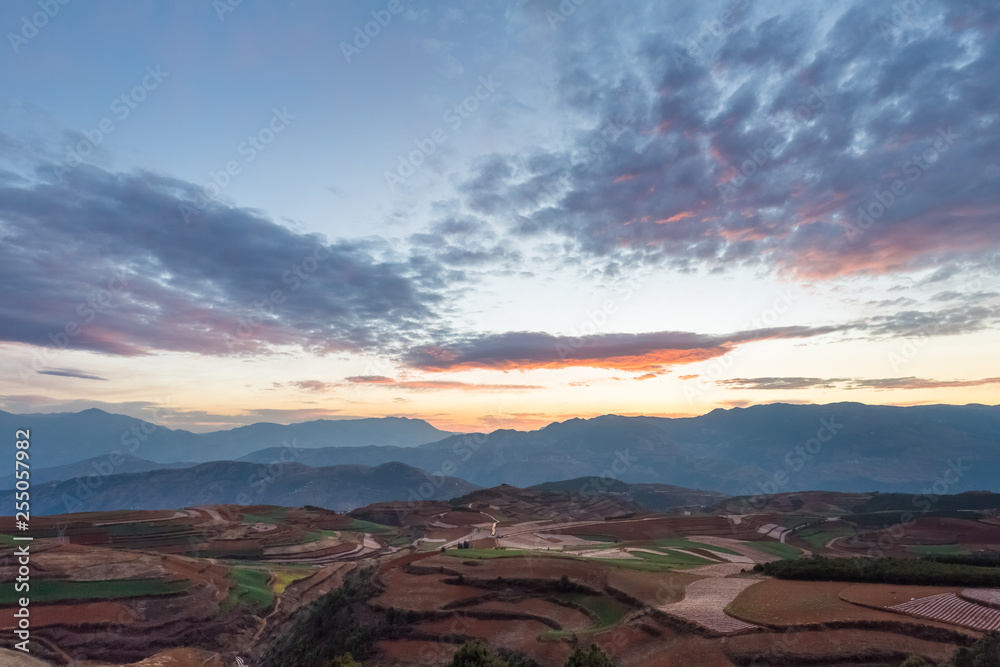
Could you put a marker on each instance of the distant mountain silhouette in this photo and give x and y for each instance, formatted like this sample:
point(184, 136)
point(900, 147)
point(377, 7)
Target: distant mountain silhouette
point(849, 447)
point(762, 449)
point(340, 488)
point(64, 438)
point(99, 465)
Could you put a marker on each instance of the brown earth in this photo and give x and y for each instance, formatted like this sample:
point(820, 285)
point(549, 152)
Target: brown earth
point(786, 604)
point(833, 646)
point(72, 614)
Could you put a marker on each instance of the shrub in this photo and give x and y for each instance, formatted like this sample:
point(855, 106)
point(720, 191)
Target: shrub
point(594, 657)
point(984, 653)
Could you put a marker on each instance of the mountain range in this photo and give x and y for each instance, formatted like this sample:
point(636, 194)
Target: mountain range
point(339, 488)
point(765, 449)
point(69, 437)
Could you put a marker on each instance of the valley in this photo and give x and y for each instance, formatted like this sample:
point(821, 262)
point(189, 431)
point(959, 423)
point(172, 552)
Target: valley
point(533, 571)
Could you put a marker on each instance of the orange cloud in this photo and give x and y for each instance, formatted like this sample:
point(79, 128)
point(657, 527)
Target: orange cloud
point(675, 218)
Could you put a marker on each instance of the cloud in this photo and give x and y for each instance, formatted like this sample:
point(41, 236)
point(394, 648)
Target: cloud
point(780, 383)
point(435, 385)
point(71, 373)
point(310, 385)
point(104, 262)
point(645, 352)
point(369, 379)
point(773, 383)
point(768, 144)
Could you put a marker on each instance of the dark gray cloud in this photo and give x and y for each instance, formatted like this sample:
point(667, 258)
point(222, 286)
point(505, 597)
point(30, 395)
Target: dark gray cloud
point(835, 111)
point(104, 262)
point(773, 383)
point(647, 352)
point(71, 373)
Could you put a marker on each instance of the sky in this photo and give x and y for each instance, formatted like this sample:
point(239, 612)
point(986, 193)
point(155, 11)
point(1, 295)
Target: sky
point(496, 214)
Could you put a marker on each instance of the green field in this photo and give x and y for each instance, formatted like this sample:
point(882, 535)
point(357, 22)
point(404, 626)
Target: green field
point(141, 528)
point(685, 543)
point(598, 538)
point(370, 527)
point(818, 536)
point(608, 610)
point(285, 577)
point(490, 553)
point(251, 590)
point(57, 590)
point(675, 559)
point(791, 521)
point(779, 549)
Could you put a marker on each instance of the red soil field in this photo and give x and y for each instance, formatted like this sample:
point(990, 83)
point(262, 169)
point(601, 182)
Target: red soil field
point(202, 572)
point(650, 529)
point(950, 608)
point(941, 530)
point(790, 603)
point(529, 567)
point(520, 635)
point(887, 595)
point(567, 617)
point(425, 592)
point(412, 652)
point(631, 647)
point(650, 588)
point(835, 646)
point(72, 614)
point(464, 518)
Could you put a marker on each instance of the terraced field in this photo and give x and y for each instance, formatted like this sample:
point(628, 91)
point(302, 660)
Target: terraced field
point(705, 602)
point(950, 608)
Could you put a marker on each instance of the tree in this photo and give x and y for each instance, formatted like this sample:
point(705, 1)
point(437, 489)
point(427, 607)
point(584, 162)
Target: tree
point(984, 653)
point(346, 660)
point(914, 661)
point(476, 654)
point(595, 657)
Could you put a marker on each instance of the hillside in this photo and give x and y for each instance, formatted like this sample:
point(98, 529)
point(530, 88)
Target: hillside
point(766, 449)
point(65, 438)
point(339, 488)
point(749, 451)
